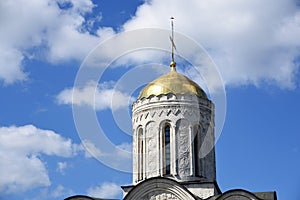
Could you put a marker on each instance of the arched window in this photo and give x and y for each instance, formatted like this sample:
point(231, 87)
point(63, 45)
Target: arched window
point(197, 145)
point(167, 157)
point(140, 155)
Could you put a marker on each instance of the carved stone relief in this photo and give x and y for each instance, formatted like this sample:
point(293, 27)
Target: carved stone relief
point(182, 114)
point(182, 137)
point(161, 112)
point(188, 111)
point(151, 149)
point(159, 196)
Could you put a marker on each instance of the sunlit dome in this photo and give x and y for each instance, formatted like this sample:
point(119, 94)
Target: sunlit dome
point(172, 82)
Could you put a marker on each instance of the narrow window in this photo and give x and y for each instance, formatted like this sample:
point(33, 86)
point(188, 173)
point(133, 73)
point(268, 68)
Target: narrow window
point(140, 155)
point(197, 144)
point(167, 149)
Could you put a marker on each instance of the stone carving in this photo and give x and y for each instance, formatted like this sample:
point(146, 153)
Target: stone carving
point(184, 164)
point(152, 113)
point(146, 115)
point(151, 149)
point(169, 112)
point(204, 115)
point(183, 148)
point(159, 195)
point(161, 112)
point(175, 111)
point(188, 111)
point(182, 112)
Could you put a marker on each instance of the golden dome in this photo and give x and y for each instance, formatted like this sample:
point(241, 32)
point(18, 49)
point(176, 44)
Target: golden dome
point(172, 82)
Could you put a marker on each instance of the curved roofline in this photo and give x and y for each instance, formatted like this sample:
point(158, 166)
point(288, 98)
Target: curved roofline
point(87, 197)
point(170, 182)
point(172, 82)
point(79, 196)
point(242, 192)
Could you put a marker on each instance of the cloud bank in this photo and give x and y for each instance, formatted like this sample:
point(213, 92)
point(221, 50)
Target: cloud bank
point(98, 96)
point(105, 190)
point(44, 30)
point(21, 148)
point(251, 41)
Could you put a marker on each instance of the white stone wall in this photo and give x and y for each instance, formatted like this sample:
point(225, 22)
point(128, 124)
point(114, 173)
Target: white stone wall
point(183, 113)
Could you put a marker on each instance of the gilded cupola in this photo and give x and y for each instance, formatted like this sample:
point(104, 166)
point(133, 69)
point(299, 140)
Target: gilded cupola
point(172, 82)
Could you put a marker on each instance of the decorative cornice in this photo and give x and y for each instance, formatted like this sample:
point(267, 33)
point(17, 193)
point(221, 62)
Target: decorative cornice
point(172, 98)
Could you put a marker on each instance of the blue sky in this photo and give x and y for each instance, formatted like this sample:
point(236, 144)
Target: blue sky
point(45, 44)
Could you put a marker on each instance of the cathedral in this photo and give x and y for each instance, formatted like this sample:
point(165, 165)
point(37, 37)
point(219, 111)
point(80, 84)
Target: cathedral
point(173, 145)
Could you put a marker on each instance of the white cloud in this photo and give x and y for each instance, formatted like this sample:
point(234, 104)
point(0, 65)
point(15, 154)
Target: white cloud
point(21, 167)
point(105, 190)
point(11, 65)
point(61, 167)
point(58, 34)
point(60, 191)
point(251, 41)
point(98, 96)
